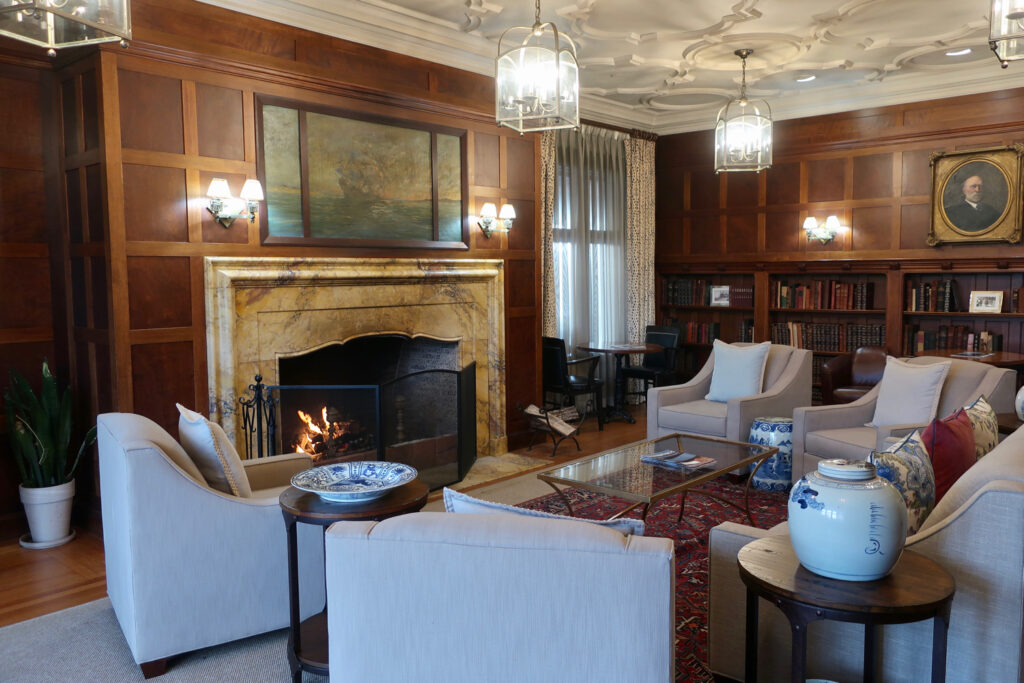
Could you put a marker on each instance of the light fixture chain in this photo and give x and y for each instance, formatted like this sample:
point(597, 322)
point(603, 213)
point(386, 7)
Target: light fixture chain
point(536, 15)
point(743, 81)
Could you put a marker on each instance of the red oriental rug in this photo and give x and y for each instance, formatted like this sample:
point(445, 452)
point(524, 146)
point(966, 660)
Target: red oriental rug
point(691, 540)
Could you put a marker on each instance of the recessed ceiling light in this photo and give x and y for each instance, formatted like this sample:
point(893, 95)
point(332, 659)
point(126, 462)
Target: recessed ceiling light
point(959, 53)
point(806, 79)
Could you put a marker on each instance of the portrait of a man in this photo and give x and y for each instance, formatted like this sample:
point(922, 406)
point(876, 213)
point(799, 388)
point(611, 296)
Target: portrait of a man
point(975, 196)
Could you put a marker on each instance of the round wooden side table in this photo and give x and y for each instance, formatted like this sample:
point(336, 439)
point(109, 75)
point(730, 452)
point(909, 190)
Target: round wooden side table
point(307, 640)
point(918, 588)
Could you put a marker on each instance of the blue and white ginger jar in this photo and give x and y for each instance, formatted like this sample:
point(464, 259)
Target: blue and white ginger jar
point(846, 522)
point(776, 474)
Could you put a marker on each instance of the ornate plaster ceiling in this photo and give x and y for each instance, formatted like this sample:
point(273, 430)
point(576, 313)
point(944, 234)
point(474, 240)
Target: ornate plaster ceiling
point(668, 65)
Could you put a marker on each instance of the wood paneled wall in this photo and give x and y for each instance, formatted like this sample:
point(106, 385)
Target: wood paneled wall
point(32, 281)
point(869, 167)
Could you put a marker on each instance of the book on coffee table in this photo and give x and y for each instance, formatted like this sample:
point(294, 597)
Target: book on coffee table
point(677, 461)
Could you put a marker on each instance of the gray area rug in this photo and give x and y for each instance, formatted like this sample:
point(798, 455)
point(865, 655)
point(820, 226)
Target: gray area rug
point(84, 644)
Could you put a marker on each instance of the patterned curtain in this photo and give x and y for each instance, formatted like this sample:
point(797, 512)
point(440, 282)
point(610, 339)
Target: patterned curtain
point(639, 239)
point(549, 312)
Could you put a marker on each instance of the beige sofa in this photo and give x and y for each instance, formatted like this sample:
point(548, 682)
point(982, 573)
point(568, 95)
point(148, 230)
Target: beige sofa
point(840, 431)
point(683, 408)
point(188, 566)
point(976, 532)
point(478, 598)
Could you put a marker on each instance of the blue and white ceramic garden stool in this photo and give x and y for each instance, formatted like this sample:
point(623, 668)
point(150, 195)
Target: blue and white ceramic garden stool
point(777, 471)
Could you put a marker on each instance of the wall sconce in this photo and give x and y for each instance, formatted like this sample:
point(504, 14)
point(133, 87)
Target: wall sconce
point(226, 208)
point(489, 215)
point(823, 233)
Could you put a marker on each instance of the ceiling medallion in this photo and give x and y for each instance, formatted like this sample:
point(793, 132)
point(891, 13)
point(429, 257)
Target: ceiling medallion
point(743, 132)
point(537, 79)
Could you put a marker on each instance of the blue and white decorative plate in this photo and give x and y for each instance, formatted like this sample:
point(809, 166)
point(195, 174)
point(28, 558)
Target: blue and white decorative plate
point(354, 482)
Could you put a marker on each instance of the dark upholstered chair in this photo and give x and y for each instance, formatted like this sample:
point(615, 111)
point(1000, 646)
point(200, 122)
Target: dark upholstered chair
point(847, 377)
point(560, 380)
point(658, 368)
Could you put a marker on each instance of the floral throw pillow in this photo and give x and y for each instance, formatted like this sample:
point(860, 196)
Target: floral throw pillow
point(986, 426)
point(907, 465)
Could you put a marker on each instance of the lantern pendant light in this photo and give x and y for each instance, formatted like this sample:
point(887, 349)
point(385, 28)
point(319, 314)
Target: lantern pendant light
point(66, 23)
point(743, 132)
point(537, 83)
point(1006, 31)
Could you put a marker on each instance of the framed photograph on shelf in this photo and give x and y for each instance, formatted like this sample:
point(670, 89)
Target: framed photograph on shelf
point(976, 196)
point(720, 295)
point(986, 302)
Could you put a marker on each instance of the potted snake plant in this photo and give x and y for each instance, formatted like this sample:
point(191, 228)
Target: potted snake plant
point(40, 432)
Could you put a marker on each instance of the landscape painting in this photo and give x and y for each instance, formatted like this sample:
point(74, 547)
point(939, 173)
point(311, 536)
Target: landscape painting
point(360, 179)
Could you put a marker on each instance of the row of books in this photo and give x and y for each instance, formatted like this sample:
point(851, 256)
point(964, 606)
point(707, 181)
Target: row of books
point(1016, 300)
point(916, 340)
point(697, 292)
point(824, 295)
point(816, 363)
point(828, 336)
point(699, 333)
point(746, 330)
point(936, 295)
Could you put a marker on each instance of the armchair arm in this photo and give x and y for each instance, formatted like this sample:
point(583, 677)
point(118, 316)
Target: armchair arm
point(839, 416)
point(694, 390)
point(899, 431)
point(835, 372)
point(791, 390)
point(593, 360)
point(277, 470)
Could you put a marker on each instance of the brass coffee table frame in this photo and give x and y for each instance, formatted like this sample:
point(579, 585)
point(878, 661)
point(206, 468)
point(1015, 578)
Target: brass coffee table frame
point(683, 487)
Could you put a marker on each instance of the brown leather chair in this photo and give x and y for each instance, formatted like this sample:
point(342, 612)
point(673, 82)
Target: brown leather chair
point(847, 377)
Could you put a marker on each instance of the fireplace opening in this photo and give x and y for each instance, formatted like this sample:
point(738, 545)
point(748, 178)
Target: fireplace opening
point(386, 397)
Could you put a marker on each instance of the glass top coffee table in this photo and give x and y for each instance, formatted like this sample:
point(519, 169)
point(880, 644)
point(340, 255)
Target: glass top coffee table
point(620, 472)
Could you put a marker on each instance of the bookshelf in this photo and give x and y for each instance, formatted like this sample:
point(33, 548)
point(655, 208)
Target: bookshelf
point(705, 307)
point(936, 313)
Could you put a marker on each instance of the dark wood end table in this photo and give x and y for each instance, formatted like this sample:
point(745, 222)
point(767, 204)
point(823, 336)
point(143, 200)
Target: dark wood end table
point(918, 588)
point(307, 640)
point(1008, 422)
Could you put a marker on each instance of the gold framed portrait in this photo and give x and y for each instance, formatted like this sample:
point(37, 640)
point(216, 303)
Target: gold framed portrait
point(976, 196)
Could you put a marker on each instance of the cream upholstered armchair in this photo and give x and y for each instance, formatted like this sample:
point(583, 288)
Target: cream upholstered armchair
point(841, 431)
point(188, 566)
point(683, 408)
point(463, 598)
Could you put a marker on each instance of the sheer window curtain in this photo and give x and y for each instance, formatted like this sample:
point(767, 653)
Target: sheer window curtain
point(588, 239)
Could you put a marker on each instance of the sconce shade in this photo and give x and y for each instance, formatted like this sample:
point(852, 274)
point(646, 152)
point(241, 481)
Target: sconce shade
point(743, 131)
point(64, 23)
point(252, 191)
point(219, 189)
point(488, 210)
point(507, 211)
point(1006, 30)
point(537, 79)
point(832, 224)
point(810, 223)
point(823, 233)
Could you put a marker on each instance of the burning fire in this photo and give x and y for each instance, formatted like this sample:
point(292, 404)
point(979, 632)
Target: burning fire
point(329, 437)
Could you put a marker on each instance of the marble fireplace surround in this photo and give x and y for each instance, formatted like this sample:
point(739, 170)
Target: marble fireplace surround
point(261, 309)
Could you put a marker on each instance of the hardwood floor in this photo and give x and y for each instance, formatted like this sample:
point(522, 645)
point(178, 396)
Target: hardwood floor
point(37, 582)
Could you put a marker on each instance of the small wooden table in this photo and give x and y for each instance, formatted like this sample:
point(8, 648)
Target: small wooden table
point(622, 351)
point(918, 588)
point(307, 640)
point(1000, 359)
point(1008, 422)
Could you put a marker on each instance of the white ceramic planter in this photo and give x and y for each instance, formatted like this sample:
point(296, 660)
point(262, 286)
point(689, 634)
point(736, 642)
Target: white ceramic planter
point(1018, 403)
point(49, 514)
point(847, 523)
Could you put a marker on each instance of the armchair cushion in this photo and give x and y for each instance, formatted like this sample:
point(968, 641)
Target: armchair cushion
point(460, 502)
point(985, 424)
point(908, 393)
point(208, 446)
point(695, 417)
point(950, 443)
point(738, 371)
point(906, 464)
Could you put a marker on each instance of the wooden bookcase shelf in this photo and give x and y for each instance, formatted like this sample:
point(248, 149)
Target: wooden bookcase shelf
point(828, 311)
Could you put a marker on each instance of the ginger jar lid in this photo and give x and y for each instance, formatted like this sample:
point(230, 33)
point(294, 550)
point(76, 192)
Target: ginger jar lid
point(847, 470)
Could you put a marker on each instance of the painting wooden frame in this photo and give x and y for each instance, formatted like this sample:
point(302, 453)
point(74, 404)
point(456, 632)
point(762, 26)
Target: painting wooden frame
point(381, 182)
point(976, 196)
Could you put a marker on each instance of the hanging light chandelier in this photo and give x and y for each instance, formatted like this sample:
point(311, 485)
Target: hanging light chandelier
point(1006, 30)
point(743, 132)
point(66, 23)
point(537, 80)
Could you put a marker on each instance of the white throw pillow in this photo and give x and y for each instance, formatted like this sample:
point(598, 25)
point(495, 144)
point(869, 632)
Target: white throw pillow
point(460, 502)
point(908, 394)
point(738, 371)
point(208, 446)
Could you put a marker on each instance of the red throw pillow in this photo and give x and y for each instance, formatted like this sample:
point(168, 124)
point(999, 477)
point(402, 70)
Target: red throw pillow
point(950, 444)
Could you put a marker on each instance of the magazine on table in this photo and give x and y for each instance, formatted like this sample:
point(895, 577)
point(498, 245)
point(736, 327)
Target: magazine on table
point(677, 461)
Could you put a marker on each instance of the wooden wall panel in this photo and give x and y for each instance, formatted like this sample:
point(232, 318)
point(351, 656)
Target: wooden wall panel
point(783, 183)
point(872, 228)
point(219, 118)
point(872, 176)
point(486, 163)
point(522, 353)
point(154, 203)
point(741, 233)
point(917, 175)
point(73, 189)
point(162, 376)
point(782, 232)
point(25, 283)
point(94, 203)
point(705, 235)
point(521, 277)
point(159, 292)
point(521, 165)
point(21, 107)
point(742, 189)
point(22, 198)
point(151, 113)
point(825, 180)
point(524, 232)
point(704, 184)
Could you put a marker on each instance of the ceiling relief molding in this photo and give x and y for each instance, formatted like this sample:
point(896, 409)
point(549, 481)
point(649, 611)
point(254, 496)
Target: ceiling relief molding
point(644, 65)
